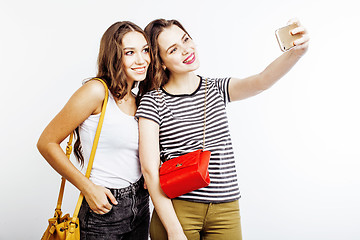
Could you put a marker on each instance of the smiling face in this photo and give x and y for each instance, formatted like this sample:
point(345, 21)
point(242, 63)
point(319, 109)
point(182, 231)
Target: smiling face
point(136, 57)
point(177, 50)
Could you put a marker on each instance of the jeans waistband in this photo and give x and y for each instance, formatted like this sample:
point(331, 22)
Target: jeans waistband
point(128, 190)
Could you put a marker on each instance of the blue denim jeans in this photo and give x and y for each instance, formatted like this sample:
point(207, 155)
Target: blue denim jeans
point(127, 220)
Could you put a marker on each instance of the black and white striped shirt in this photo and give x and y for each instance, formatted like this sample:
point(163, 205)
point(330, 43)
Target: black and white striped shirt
point(181, 119)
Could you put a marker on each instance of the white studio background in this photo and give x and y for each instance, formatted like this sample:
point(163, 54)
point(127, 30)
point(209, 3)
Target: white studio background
point(297, 144)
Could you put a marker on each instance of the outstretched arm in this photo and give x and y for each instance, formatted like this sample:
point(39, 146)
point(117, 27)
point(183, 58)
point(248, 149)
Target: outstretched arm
point(84, 102)
point(243, 88)
point(150, 162)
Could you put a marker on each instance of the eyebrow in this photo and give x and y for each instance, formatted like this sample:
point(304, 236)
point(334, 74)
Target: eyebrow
point(131, 48)
point(176, 43)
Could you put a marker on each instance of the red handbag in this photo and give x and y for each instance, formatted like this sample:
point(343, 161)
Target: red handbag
point(188, 172)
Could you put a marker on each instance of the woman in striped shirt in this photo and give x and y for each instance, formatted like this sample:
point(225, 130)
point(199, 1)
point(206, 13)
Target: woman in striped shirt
point(171, 124)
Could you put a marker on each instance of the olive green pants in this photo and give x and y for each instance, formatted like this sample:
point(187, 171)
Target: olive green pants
point(205, 221)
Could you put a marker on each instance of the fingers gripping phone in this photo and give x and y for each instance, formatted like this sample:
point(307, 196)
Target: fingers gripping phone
point(285, 38)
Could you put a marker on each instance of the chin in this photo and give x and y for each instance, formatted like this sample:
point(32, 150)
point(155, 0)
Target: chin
point(138, 78)
point(195, 67)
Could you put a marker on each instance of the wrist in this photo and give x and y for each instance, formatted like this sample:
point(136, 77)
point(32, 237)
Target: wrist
point(175, 230)
point(87, 187)
point(297, 53)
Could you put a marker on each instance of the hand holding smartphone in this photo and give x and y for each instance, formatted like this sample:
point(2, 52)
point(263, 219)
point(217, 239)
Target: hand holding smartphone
point(285, 38)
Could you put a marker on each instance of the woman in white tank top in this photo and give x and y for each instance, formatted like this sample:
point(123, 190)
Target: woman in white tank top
point(116, 205)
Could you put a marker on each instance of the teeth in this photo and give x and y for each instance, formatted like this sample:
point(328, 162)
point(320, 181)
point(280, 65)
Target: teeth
point(139, 70)
point(189, 59)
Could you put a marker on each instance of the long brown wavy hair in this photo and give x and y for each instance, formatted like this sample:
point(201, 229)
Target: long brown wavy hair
point(111, 70)
point(158, 75)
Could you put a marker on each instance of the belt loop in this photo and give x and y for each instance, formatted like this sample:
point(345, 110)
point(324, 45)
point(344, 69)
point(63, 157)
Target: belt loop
point(133, 189)
point(116, 193)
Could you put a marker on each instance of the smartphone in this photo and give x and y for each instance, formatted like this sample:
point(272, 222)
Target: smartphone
point(285, 38)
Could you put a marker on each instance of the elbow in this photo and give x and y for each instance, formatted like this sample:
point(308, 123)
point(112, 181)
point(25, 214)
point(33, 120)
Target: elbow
point(151, 174)
point(40, 145)
point(150, 165)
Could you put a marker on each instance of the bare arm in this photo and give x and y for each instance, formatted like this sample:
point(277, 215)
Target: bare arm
point(250, 86)
point(150, 162)
point(84, 102)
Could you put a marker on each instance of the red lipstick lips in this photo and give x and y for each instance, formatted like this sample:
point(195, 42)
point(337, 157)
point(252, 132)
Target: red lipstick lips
point(190, 59)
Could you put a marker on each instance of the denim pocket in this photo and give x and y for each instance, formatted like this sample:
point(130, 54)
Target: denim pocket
point(130, 214)
point(101, 215)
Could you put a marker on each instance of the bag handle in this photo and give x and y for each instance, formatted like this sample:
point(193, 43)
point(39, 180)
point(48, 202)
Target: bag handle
point(91, 161)
point(58, 212)
point(204, 114)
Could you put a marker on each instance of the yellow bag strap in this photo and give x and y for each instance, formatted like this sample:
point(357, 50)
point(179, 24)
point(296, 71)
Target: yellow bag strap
point(63, 180)
point(93, 150)
point(91, 159)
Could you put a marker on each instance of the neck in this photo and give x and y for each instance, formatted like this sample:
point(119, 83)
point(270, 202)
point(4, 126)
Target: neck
point(129, 87)
point(128, 94)
point(130, 84)
point(182, 83)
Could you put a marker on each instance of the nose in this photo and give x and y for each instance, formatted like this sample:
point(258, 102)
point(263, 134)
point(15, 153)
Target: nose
point(185, 50)
point(139, 59)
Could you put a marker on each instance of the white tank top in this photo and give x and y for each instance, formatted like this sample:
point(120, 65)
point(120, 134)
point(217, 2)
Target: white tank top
point(116, 162)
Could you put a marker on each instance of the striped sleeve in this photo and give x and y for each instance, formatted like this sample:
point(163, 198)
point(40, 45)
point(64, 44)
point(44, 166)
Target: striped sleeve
point(223, 86)
point(148, 108)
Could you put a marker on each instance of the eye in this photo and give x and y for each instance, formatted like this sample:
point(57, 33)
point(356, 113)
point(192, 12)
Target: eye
point(146, 50)
point(129, 53)
point(173, 50)
point(186, 39)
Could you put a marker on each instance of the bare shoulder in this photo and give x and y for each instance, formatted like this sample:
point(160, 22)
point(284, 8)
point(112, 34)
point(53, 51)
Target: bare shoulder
point(89, 96)
point(95, 89)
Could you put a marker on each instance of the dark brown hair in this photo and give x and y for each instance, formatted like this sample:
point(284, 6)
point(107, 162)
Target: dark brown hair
point(111, 70)
point(110, 65)
point(156, 73)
